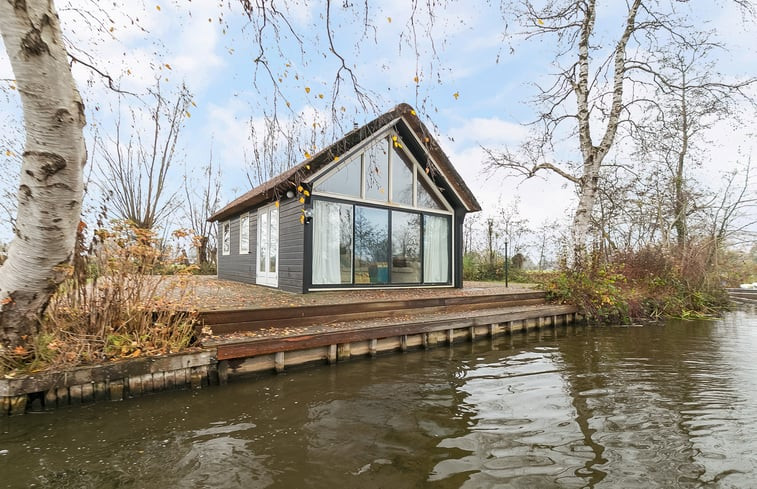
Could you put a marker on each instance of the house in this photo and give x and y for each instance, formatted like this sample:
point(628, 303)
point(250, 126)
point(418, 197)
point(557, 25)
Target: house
point(381, 207)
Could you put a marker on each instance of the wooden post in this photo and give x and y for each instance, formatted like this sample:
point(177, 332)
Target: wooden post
point(472, 330)
point(331, 355)
point(223, 372)
point(278, 361)
point(450, 336)
point(403, 342)
point(372, 347)
point(343, 352)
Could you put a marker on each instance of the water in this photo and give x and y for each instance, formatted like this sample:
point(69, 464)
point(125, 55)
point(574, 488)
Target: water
point(672, 405)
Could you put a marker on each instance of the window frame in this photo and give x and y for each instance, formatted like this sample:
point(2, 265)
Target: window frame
point(244, 232)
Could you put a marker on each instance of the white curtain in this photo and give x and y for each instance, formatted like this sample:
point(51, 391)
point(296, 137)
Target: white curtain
point(326, 236)
point(435, 249)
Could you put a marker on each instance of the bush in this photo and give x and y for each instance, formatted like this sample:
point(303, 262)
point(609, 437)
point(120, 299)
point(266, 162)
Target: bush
point(112, 305)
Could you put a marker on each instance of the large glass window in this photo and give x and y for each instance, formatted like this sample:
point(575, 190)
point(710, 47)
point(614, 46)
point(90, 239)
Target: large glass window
point(371, 245)
point(436, 249)
point(376, 163)
point(426, 197)
point(345, 181)
point(402, 178)
point(406, 247)
point(332, 243)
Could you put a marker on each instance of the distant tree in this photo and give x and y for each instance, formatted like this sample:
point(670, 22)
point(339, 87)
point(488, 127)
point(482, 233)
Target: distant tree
point(202, 199)
point(136, 163)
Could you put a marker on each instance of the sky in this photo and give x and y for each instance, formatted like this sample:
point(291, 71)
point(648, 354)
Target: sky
point(467, 77)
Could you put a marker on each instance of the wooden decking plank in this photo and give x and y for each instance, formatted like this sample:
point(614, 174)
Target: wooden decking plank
point(256, 347)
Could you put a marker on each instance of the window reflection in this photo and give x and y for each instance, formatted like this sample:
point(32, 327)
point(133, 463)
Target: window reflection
point(371, 245)
point(406, 247)
point(376, 162)
point(402, 178)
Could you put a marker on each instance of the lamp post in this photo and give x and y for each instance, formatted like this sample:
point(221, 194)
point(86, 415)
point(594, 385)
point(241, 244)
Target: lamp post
point(507, 263)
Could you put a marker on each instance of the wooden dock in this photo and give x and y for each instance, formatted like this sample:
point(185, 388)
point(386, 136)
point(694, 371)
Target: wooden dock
point(276, 338)
point(744, 296)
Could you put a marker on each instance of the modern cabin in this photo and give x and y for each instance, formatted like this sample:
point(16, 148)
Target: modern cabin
point(381, 207)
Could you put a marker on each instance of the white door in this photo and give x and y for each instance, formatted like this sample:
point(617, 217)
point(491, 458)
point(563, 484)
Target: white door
point(268, 246)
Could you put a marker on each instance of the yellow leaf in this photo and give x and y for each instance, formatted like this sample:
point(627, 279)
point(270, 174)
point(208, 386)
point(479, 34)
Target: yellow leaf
point(157, 7)
point(389, 19)
point(307, 194)
point(307, 155)
point(277, 203)
point(188, 114)
point(299, 189)
point(302, 200)
point(194, 104)
point(13, 87)
point(412, 112)
point(415, 78)
point(539, 21)
point(307, 167)
point(307, 89)
point(394, 138)
point(320, 95)
point(336, 158)
point(456, 95)
point(8, 152)
point(302, 219)
point(168, 66)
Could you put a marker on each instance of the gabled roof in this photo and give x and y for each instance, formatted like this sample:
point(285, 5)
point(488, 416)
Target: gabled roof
point(415, 136)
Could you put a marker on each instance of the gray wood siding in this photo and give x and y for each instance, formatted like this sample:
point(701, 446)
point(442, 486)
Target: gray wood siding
point(234, 266)
point(291, 246)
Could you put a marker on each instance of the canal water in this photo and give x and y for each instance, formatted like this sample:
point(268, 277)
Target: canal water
point(668, 405)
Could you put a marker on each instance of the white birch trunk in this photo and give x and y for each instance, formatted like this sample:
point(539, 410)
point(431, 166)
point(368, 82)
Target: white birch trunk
point(51, 183)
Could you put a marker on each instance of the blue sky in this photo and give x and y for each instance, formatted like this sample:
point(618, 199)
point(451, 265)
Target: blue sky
point(476, 90)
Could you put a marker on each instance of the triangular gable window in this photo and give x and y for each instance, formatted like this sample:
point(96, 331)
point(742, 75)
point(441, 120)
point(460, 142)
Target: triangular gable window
point(366, 176)
point(427, 198)
point(345, 180)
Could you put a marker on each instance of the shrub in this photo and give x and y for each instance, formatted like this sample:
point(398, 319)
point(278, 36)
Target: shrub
point(112, 305)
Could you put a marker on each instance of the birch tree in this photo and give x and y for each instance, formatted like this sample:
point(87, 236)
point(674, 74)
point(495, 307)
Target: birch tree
point(600, 85)
point(50, 188)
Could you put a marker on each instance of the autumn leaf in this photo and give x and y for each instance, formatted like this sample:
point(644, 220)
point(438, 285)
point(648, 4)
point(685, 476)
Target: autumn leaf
point(20, 351)
point(539, 21)
point(7, 300)
point(307, 89)
point(157, 7)
point(412, 112)
point(415, 78)
point(277, 203)
point(300, 188)
point(336, 158)
point(307, 155)
point(307, 194)
point(302, 200)
point(320, 95)
point(188, 114)
point(8, 152)
point(389, 19)
point(307, 167)
point(168, 66)
point(456, 95)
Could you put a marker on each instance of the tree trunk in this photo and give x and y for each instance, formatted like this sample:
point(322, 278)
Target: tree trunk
point(51, 183)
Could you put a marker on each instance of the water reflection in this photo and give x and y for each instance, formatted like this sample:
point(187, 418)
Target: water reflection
point(659, 406)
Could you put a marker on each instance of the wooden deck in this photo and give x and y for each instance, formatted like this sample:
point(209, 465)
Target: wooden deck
point(279, 336)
